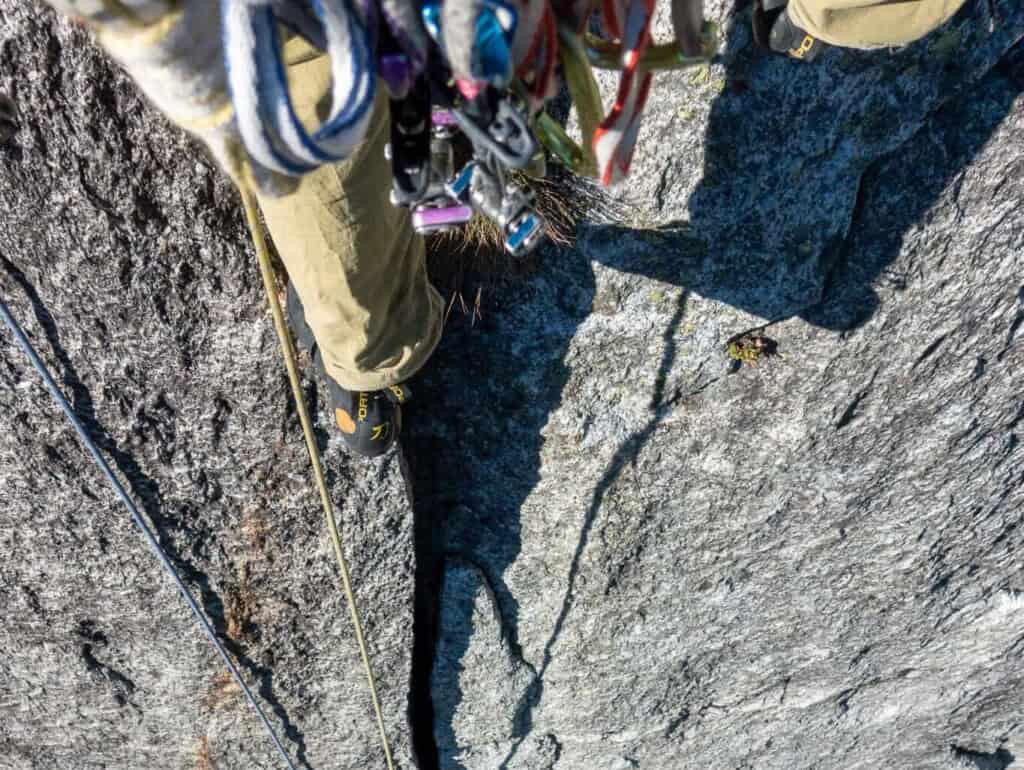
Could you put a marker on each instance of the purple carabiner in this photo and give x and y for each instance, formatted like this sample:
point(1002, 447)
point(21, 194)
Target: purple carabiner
point(428, 219)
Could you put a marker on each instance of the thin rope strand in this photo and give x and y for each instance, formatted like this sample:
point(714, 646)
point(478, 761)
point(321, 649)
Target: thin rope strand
point(86, 439)
point(288, 352)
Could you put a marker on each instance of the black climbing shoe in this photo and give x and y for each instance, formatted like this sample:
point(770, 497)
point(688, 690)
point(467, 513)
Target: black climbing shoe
point(369, 420)
point(775, 31)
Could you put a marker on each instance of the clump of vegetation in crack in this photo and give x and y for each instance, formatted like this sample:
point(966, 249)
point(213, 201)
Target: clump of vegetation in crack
point(562, 198)
point(748, 348)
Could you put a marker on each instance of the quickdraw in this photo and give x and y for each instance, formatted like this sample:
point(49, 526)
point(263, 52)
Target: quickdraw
point(484, 68)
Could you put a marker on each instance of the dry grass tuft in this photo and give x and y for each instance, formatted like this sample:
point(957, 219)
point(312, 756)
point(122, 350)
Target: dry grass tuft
point(563, 199)
point(203, 760)
point(240, 607)
point(476, 250)
point(223, 688)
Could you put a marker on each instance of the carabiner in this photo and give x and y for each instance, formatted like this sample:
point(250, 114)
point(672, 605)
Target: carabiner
point(409, 146)
point(562, 146)
point(497, 127)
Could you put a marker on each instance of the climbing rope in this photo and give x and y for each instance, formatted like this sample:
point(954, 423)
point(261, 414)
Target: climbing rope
point(288, 352)
point(90, 445)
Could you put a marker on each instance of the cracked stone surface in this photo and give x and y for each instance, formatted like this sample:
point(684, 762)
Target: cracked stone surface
point(637, 551)
point(125, 256)
point(470, 611)
point(808, 560)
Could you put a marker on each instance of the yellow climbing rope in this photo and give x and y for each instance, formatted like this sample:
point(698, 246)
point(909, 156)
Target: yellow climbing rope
point(288, 351)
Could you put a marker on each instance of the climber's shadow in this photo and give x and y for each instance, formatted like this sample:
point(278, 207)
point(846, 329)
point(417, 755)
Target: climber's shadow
point(475, 439)
point(766, 230)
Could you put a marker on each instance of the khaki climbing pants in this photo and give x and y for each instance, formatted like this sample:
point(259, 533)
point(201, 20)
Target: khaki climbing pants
point(353, 258)
point(871, 23)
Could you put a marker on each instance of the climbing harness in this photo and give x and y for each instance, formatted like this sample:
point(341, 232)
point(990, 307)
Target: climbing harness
point(480, 68)
point(83, 434)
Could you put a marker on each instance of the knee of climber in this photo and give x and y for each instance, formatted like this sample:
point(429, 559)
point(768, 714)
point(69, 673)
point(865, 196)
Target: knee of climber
point(856, 24)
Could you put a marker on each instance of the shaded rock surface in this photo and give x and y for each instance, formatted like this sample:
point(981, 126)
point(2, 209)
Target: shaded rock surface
point(124, 254)
point(808, 560)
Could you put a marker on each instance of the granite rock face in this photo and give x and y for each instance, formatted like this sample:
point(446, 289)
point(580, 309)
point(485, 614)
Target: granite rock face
point(733, 483)
point(659, 556)
point(124, 254)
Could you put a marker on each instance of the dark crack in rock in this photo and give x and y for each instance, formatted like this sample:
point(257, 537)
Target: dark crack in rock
point(466, 665)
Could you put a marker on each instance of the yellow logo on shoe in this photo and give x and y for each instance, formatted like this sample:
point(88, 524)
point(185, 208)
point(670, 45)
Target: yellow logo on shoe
point(364, 406)
point(804, 47)
point(380, 432)
point(344, 421)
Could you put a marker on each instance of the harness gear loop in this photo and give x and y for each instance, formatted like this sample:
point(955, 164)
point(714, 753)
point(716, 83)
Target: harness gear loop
point(288, 352)
point(83, 435)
